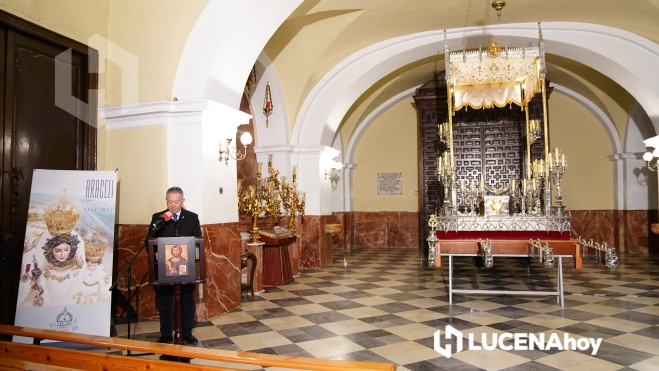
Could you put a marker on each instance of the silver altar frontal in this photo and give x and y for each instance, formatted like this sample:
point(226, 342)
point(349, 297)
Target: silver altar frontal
point(471, 223)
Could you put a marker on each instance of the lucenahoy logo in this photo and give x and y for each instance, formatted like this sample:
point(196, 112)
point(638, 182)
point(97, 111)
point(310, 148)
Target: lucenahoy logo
point(521, 341)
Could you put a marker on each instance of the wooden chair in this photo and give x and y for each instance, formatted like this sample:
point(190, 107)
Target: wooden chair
point(249, 286)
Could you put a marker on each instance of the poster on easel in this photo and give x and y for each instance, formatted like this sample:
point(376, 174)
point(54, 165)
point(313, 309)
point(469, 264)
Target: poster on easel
point(66, 270)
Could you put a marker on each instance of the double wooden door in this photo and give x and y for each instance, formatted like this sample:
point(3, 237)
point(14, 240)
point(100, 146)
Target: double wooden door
point(37, 133)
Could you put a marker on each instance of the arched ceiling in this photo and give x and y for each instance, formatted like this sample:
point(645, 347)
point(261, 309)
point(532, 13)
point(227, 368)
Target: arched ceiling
point(320, 34)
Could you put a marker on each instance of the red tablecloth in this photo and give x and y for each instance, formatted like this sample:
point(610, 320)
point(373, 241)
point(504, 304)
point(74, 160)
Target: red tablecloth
point(525, 235)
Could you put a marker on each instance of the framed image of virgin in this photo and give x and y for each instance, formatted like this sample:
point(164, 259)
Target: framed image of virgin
point(176, 260)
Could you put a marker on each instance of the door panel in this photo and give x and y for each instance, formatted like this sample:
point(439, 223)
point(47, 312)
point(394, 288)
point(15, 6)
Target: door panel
point(38, 135)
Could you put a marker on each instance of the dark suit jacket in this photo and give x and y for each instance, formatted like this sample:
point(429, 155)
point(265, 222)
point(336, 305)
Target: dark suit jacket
point(187, 225)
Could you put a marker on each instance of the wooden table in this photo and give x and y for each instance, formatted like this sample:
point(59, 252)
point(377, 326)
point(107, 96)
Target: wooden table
point(276, 261)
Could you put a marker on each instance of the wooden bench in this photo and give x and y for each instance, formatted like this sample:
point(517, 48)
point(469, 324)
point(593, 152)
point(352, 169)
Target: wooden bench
point(24, 356)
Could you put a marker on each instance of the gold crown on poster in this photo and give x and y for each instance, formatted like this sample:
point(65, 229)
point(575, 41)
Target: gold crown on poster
point(95, 246)
point(62, 215)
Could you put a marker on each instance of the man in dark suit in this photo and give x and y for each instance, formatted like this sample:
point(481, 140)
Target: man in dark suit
point(183, 223)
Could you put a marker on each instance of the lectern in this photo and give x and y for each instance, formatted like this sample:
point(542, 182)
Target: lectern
point(176, 261)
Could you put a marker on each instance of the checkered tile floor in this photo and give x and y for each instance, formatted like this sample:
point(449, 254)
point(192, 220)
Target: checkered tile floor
point(384, 305)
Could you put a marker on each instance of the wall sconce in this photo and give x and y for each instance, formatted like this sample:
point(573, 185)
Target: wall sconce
point(651, 159)
point(228, 151)
point(267, 103)
point(332, 173)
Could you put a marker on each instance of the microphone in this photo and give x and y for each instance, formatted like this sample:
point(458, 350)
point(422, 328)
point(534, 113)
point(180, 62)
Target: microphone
point(165, 217)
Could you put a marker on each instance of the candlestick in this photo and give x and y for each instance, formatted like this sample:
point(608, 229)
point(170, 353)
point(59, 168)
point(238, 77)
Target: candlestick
point(462, 185)
point(533, 184)
point(556, 152)
point(549, 159)
point(524, 184)
point(563, 160)
point(472, 185)
point(482, 185)
point(512, 185)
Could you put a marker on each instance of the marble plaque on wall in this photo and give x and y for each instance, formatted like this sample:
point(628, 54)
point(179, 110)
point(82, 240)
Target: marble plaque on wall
point(390, 184)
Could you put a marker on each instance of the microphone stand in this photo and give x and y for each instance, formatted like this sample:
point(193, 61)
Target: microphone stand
point(129, 269)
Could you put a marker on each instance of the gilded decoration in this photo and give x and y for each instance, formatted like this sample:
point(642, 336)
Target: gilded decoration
point(62, 215)
point(95, 247)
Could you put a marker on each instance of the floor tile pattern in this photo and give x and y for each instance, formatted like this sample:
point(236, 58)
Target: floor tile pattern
point(385, 305)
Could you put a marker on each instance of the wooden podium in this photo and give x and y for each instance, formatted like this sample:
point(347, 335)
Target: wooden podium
point(166, 269)
point(277, 269)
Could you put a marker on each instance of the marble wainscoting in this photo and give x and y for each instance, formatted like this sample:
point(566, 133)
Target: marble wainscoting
point(220, 293)
point(315, 246)
point(389, 229)
point(626, 230)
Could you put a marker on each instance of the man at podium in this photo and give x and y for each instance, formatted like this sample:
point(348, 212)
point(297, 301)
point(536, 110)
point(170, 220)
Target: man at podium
point(183, 223)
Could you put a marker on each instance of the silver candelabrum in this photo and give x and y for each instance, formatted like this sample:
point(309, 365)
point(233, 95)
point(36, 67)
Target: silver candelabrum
point(557, 166)
point(530, 197)
point(446, 175)
point(469, 197)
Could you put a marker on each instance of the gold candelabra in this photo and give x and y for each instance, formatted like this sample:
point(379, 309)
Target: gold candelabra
point(292, 200)
point(260, 198)
point(268, 196)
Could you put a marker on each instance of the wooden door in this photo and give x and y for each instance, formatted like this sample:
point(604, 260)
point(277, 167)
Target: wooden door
point(37, 135)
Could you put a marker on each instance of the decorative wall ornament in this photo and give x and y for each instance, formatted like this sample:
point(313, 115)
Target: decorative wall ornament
point(267, 103)
point(251, 81)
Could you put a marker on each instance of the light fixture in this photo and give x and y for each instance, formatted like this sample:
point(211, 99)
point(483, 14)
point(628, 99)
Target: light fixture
point(267, 103)
point(332, 173)
point(228, 151)
point(498, 5)
point(651, 159)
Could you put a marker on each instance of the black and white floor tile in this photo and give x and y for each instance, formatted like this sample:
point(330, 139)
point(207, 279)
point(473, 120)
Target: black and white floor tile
point(385, 305)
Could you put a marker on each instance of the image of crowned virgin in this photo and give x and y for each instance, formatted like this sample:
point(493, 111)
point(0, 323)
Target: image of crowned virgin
point(60, 266)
